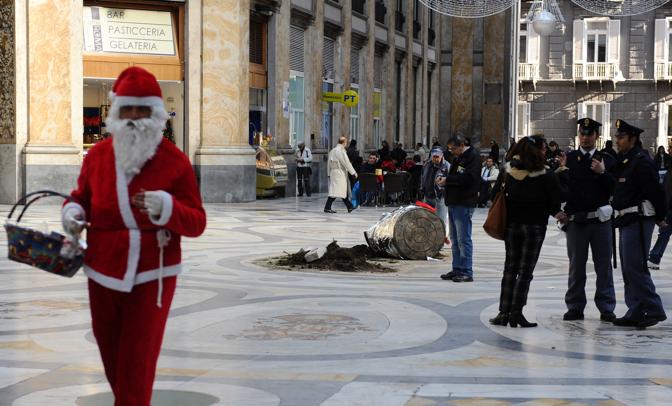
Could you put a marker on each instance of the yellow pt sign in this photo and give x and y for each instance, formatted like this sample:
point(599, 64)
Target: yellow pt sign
point(350, 98)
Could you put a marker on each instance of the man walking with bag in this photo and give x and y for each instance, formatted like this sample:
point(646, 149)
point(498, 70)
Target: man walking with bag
point(587, 175)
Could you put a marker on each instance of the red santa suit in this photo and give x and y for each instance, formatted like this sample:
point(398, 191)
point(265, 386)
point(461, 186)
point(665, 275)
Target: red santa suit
point(132, 258)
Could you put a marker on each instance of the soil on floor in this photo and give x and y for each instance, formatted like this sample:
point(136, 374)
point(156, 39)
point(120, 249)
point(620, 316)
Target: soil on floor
point(359, 258)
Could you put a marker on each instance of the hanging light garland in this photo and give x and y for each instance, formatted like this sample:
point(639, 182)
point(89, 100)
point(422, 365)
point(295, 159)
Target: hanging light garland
point(468, 8)
point(620, 7)
point(545, 16)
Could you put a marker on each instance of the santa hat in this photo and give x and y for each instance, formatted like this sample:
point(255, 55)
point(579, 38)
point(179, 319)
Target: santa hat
point(136, 86)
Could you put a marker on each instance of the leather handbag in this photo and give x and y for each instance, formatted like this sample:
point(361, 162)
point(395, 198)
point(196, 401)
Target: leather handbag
point(495, 223)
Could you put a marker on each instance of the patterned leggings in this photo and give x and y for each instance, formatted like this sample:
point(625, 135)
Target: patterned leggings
point(523, 243)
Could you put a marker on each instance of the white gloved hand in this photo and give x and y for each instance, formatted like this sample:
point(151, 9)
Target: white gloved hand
point(154, 202)
point(73, 220)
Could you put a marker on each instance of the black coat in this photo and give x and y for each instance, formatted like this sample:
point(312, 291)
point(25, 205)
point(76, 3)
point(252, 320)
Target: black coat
point(464, 180)
point(636, 181)
point(587, 190)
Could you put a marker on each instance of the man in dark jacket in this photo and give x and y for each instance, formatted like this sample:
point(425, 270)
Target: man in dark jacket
point(398, 154)
point(664, 233)
point(587, 175)
point(461, 195)
point(638, 206)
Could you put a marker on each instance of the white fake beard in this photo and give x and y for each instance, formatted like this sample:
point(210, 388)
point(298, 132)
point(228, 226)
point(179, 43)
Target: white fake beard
point(135, 142)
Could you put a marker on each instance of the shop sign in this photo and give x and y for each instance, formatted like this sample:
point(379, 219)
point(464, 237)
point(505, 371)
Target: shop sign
point(350, 98)
point(130, 31)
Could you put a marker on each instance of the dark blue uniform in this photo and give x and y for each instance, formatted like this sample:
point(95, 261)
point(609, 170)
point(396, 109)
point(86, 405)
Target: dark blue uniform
point(636, 182)
point(588, 191)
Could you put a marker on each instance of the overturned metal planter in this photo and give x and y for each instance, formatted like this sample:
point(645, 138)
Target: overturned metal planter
point(409, 232)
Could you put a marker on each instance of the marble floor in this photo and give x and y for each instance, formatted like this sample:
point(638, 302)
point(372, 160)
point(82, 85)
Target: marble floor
point(240, 334)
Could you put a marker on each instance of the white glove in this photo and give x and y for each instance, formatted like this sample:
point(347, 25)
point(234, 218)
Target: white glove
point(154, 202)
point(73, 219)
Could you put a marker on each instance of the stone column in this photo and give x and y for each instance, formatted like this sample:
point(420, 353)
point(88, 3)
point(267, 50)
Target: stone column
point(313, 75)
point(53, 153)
point(9, 155)
point(408, 79)
point(461, 95)
point(366, 80)
point(423, 134)
point(278, 74)
point(445, 60)
point(478, 86)
point(493, 73)
point(342, 73)
point(224, 158)
point(389, 77)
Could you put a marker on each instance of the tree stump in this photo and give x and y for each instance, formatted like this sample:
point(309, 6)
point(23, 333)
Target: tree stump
point(409, 232)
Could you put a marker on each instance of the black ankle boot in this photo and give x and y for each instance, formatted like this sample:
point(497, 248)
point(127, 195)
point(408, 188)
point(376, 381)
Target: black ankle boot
point(517, 318)
point(502, 319)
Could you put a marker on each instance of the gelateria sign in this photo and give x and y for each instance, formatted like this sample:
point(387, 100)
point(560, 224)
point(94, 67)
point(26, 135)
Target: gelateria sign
point(130, 31)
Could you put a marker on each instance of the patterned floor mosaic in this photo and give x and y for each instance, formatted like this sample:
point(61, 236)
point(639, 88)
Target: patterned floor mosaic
point(240, 334)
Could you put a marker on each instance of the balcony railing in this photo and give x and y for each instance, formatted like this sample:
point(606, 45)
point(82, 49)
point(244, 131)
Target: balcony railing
point(594, 71)
point(664, 71)
point(528, 71)
point(381, 10)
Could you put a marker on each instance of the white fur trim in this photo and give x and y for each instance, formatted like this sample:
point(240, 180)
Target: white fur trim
point(121, 285)
point(147, 276)
point(151, 101)
point(166, 209)
point(133, 231)
point(508, 169)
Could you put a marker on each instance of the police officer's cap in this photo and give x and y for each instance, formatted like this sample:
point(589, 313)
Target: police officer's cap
point(588, 126)
point(623, 128)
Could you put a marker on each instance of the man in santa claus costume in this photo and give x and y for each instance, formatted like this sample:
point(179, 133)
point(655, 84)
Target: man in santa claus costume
point(136, 195)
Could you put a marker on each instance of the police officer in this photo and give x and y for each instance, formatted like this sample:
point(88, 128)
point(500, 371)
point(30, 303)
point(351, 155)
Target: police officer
point(587, 175)
point(638, 205)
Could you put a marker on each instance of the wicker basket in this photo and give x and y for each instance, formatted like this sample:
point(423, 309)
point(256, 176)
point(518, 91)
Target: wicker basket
point(35, 248)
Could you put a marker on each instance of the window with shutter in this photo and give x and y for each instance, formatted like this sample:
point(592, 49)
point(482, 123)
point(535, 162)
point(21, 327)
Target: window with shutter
point(328, 58)
point(354, 65)
point(378, 72)
point(661, 49)
point(296, 49)
point(256, 43)
point(523, 124)
point(664, 127)
point(598, 111)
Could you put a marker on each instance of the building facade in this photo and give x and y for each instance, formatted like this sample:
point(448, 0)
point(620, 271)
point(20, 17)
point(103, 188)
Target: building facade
point(600, 67)
point(385, 50)
point(56, 73)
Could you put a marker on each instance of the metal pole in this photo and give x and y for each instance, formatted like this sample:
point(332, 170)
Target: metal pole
point(513, 71)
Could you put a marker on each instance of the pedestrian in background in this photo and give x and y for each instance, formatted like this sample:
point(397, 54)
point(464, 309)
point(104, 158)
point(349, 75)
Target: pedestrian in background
point(303, 171)
point(656, 254)
point(489, 175)
point(338, 168)
point(433, 172)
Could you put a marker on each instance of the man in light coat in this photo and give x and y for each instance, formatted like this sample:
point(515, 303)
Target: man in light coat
point(338, 167)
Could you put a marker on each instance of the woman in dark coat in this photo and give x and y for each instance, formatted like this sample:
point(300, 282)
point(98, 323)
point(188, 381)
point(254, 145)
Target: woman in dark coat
point(533, 192)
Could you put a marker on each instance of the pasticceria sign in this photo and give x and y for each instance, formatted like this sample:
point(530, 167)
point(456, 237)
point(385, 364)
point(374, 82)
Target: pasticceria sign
point(128, 31)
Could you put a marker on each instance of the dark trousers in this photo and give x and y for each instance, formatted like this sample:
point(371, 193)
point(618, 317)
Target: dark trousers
point(640, 292)
point(599, 237)
point(330, 201)
point(484, 193)
point(303, 178)
point(523, 243)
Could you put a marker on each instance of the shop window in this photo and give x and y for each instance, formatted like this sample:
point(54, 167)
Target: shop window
point(354, 117)
point(327, 117)
point(377, 114)
point(523, 120)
